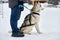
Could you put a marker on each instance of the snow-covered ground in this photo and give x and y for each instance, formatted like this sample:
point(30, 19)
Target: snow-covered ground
point(49, 24)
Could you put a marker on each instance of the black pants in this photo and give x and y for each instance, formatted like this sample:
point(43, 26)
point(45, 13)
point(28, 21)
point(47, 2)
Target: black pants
point(55, 2)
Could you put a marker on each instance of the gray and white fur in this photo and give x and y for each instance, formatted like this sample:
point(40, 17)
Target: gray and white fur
point(31, 20)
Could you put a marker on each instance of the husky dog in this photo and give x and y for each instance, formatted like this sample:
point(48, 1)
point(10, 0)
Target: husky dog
point(31, 20)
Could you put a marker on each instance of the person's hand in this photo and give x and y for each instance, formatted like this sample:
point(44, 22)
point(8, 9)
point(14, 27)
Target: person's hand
point(21, 7)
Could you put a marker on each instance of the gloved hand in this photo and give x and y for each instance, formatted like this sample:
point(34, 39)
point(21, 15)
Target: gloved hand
point(20, 5)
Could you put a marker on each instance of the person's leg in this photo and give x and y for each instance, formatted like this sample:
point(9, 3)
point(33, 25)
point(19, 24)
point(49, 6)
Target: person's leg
point(15, 15)
point(13, 19)
point(55, 2)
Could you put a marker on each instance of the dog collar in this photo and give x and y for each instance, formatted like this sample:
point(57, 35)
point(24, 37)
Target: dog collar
point(35, 13)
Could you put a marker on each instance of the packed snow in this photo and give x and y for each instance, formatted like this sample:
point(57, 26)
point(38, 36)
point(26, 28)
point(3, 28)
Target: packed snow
point(49, 24)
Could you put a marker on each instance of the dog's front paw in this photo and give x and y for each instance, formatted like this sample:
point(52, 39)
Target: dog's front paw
point(40, 32)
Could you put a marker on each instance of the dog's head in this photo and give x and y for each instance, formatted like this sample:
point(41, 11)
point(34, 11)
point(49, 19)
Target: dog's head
point(37, 7)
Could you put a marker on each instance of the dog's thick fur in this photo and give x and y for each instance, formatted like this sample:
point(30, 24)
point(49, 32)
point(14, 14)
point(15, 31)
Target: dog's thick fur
point(31, 20)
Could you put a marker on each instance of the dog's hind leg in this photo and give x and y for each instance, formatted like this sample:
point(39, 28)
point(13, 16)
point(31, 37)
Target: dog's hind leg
point(28, 30)
point(27, 33)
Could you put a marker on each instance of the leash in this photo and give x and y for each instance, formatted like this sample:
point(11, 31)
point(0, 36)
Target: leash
point(27, 8)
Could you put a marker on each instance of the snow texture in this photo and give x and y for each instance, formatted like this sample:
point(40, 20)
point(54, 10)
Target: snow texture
point(49, 24)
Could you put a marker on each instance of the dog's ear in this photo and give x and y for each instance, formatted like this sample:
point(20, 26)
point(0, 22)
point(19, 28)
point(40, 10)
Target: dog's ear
point(37, 3)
